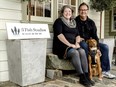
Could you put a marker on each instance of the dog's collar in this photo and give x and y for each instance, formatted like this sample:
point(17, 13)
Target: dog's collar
point(94, 48)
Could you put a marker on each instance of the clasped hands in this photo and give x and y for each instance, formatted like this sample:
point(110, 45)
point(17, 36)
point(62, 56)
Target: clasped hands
point(75, 46)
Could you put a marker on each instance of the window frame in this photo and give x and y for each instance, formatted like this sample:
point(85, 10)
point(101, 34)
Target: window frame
point(76, 7)
point(113, 26)
point(36, 18)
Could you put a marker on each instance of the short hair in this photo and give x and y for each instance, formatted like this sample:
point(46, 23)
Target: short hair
point(82, 5)
point(63, 8)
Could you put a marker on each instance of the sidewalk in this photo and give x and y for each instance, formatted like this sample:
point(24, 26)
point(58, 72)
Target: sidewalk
point(68, 81)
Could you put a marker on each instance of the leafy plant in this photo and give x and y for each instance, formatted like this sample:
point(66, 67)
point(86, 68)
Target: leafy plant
point(102, 5)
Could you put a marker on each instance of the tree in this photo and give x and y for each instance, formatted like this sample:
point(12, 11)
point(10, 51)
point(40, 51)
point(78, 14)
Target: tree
point(100, 6)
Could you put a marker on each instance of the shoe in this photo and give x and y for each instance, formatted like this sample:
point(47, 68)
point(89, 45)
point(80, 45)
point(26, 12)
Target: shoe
point(83, 80)
point(108, 75)
point(90, 81)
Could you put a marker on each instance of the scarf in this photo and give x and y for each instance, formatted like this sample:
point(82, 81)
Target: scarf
point(71, 24)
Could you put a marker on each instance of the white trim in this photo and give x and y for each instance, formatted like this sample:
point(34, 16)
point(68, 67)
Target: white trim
point(76, 7)
point(4, 76)
point(41, 19)
point(37, 18)
point(112, 22)
point(3, 66)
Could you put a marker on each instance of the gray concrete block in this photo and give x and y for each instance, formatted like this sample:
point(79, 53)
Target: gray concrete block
point(54, 74)
point(26, 61)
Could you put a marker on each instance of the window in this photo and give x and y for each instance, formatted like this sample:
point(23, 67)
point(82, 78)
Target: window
point(113, 20)
point(40, 11)
point(72, 3)
point(43, 11)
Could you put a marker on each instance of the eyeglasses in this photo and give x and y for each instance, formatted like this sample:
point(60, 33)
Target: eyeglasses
point(83, 9)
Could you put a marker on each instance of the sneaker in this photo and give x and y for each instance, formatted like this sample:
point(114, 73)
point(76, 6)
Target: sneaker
point(108, 75)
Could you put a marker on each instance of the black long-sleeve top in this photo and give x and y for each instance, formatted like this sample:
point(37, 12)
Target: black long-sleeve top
point(70, 34)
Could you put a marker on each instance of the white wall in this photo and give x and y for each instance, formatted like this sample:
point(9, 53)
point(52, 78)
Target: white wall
point(10, 11)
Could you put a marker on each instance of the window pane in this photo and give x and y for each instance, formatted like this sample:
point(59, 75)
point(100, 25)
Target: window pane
point(73, 2)
point(32, 10)
point(47, 9)
point(32, 7)
point(114, 11)
point(39, 9)
point(114, 18)
point(42, 9)
point(74, 8)
point(66, 1)
point(114, 25)
point(59, 9)
point(60, 1)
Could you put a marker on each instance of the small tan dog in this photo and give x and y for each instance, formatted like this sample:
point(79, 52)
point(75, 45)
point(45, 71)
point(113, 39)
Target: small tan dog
point(94, 59)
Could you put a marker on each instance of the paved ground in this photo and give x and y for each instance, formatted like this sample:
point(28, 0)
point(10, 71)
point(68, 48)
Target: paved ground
point(68, 81)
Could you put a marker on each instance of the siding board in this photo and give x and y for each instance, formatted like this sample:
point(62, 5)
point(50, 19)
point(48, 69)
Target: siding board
point(3, 23)
point(3, 35)
point(10, 11)
point(3, 56)
point(4, 76)
point(3, 66)
point(2, 45)
point(10, 15)
point(11, 5)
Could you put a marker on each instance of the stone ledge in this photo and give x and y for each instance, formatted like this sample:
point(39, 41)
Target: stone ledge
point(53, 62)
point(53, 74)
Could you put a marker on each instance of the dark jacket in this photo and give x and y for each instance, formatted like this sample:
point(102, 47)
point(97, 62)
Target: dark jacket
point(87, 29)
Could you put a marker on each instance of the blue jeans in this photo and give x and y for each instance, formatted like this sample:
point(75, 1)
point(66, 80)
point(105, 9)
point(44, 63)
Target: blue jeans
point(105, 62)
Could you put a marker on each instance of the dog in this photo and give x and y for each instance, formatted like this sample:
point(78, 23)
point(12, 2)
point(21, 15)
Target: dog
point(94, 59)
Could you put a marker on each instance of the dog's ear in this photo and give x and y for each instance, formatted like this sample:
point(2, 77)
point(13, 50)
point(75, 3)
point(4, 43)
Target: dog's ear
point(87, 41)
point(94, 40)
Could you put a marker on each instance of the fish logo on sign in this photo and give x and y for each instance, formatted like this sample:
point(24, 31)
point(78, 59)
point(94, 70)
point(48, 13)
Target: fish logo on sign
point(15, 31)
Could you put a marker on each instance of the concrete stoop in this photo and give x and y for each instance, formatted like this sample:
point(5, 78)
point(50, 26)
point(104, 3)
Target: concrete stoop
point(71, 80)
point(67, 81)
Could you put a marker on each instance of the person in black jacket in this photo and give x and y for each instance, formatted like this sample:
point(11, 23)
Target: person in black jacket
point(66, 44)
point(87, 29)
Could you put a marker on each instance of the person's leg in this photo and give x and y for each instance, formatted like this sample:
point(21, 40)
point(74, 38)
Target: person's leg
point(84, 45)
point(74, 55)
point(85, 65)
point(83, 60)
point(105, 62)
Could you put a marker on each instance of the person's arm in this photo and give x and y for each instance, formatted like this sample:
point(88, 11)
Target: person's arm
point(58, 28)
point(62, 38)
point(94, 32)
point(96, 37)
point(77, 42)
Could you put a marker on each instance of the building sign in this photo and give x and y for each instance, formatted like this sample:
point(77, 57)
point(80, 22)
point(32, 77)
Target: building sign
point(27, 31)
